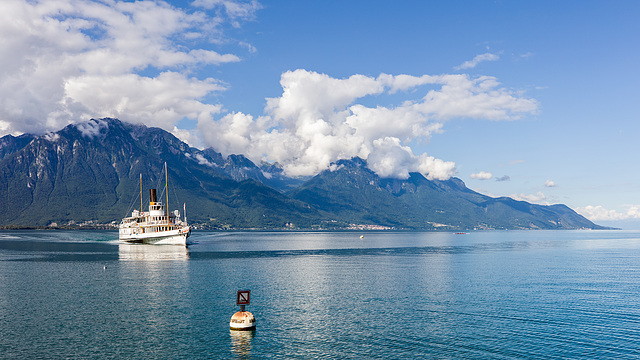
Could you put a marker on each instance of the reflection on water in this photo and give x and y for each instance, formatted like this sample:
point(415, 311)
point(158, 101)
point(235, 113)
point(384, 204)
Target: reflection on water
point(241, 343)
point(139, 252)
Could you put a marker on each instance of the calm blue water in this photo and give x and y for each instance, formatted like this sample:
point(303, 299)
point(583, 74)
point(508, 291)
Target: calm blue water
point(391, 295)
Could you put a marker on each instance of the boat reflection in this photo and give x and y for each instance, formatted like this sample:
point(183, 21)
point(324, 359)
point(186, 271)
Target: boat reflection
point(145, 252)
point(241, 343)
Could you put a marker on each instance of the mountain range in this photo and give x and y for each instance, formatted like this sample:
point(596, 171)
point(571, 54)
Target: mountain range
point(90, 173)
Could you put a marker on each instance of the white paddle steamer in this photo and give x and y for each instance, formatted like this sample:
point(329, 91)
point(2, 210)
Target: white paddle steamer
point(156, 226)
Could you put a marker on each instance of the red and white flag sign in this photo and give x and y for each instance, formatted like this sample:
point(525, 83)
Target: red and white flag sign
point(243, 297)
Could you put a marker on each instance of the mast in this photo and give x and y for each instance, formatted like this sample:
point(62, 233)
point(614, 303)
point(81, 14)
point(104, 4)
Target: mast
point(141, 211)
point(166, 189)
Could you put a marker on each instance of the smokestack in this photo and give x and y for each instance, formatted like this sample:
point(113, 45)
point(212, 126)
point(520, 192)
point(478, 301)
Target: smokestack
point(152, 195)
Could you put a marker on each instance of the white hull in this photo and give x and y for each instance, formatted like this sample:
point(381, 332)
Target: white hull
point(171, 237)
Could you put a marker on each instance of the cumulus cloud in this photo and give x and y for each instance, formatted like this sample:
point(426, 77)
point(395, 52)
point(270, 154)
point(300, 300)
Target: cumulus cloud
point(539, 197)
point(389, 159)
point(482, 175)
point(550, 183)
point(166, 98)
point(503, 178)
point(63, 61)
point(477, 60)
point(319, 119)
point(599, 213)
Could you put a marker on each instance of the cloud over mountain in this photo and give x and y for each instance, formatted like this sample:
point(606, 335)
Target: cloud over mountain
point(62, 61)
point(538, 197)
point(65, 61)
point(320, 119)
point(482, 175)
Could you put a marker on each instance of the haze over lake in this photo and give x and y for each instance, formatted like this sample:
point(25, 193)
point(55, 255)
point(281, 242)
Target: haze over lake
point(499, 294)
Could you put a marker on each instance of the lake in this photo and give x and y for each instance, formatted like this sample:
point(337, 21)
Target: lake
point(333, 295)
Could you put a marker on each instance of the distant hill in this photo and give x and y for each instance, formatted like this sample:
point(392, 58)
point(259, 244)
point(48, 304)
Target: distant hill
point(356, 193)
point(90, 172)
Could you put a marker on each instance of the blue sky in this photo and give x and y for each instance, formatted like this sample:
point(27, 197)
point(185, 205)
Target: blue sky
point(550, 114)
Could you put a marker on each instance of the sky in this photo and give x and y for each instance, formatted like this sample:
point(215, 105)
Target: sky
point(536, 100)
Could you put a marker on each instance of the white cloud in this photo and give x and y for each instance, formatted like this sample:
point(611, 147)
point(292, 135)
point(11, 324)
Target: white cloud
point(202, 161)
point(308, 94)
point(550, 183)
point(191, 137)
point(235, 10)
point(389, 159)
point(482, 175)
point(476, 60)
point(599, 213)
point(539, 197)
point(479, 98)
point(52, 137)
point(161, 101)
point(92, 127)
point(319, 120)
point(63, 61)
point(526, 55)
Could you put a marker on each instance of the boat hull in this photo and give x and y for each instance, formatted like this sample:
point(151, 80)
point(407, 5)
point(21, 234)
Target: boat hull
point(171, 237)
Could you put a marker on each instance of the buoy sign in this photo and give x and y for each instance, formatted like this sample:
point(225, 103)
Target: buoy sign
point(243, 297)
